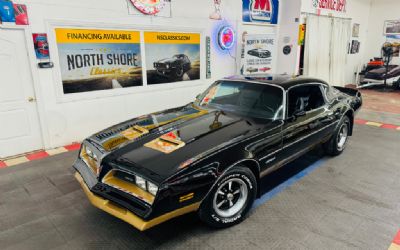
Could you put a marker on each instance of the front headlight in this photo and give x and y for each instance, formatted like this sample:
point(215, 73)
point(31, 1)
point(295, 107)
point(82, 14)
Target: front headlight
point(167, 66)
point(152, 188)
point(89, 152)
point(90, 158)
point(141, 182)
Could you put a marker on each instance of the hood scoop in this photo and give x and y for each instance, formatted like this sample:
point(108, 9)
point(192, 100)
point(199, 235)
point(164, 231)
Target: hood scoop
point(134, 132)
point(167, 143)
point(124, 136)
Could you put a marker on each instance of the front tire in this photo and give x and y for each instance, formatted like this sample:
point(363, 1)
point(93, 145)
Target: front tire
point(179, 72)
point(231, 198)
point(337, 144)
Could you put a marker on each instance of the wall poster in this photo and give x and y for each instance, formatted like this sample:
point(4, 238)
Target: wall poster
point(392, 27)
point(259, 54)
point(41, 45)
point(172, 57)
point(98, 59)
point(21, 14)
point(355, 47)
point(356, 30)
point(261, 11)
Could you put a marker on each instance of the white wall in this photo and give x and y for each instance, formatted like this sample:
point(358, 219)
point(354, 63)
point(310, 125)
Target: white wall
point(72, 117)
point(381, 10)
point(359, 12)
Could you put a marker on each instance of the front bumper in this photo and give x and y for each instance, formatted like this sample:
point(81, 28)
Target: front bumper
point(164, 71)
point(126, 215)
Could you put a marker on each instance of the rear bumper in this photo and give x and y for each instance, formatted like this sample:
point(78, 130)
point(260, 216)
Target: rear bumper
point(126, 215)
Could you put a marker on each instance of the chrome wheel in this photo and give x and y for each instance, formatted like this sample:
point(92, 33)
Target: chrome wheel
point(230, 198)
point(342, 136)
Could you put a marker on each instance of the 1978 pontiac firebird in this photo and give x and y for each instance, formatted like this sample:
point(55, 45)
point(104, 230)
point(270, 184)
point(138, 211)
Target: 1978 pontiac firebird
point(210, 155)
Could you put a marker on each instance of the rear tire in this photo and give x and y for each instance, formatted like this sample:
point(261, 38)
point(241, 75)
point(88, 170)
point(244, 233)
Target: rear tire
point(396, 85)
point(230, 199)
point(337, 144)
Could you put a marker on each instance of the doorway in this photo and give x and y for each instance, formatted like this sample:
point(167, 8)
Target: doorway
point(325, 49)
point(19, 120)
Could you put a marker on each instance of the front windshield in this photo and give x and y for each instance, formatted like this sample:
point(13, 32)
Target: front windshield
point(246, 99)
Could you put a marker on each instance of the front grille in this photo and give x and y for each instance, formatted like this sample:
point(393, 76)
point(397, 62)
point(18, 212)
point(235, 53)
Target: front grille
point(125, 177)
point(125, 182)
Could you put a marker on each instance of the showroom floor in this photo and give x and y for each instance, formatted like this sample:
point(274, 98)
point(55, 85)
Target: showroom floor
point(348, 202)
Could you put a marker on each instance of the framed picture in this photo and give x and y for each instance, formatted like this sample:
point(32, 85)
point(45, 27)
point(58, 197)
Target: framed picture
point(391, 27)
point(355, 47)
point(356, 30)
point(172, 57)
point(97, 59)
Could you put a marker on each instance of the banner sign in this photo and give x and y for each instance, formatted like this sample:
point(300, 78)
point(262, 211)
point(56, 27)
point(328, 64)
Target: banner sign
point(261, 11)
point(172, 57)
point(335, 5)
point(98, 59)
point(259, 54)
point(208, 57)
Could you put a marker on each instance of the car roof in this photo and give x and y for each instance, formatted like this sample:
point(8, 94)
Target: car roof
point(281, 80)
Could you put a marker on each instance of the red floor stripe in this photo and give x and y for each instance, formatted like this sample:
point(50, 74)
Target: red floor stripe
point(37, 156)
point(73, 147)
point(389, 126)
point(2, 164)
point(360, 121)
point(397, 238)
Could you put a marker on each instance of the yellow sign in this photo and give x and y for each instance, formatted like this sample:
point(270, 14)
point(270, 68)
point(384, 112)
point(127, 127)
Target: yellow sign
point(96, 36)
point(302, 34)
point(171, 38)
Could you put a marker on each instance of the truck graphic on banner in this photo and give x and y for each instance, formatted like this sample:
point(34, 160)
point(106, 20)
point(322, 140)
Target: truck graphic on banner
point(261, 11)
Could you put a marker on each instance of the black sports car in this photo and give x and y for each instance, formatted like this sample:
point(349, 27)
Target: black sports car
point(173, 67)
point(261, 53)
point(209, 156)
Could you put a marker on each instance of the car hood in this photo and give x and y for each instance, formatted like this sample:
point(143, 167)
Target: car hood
point(201, 130)
point(167, 60)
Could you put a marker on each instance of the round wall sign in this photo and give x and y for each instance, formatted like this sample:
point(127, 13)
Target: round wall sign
point(226, 38)
point(287, 49)
point(149, 7)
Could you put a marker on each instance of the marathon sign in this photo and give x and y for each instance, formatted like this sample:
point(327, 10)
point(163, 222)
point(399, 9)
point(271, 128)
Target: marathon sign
point(261, 11)
point(333, 5)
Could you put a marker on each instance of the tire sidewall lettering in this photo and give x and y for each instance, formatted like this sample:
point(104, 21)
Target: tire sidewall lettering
point(223, 180)
point(241, 176)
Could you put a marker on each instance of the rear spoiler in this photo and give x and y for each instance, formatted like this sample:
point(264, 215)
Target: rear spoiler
point(355, 95)
point(349, 91)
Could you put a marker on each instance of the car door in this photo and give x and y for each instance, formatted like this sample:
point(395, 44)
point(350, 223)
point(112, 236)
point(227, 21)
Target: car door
point(308, 120)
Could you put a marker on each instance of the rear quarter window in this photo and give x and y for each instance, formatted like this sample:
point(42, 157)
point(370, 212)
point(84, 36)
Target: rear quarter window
point(330, 92)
